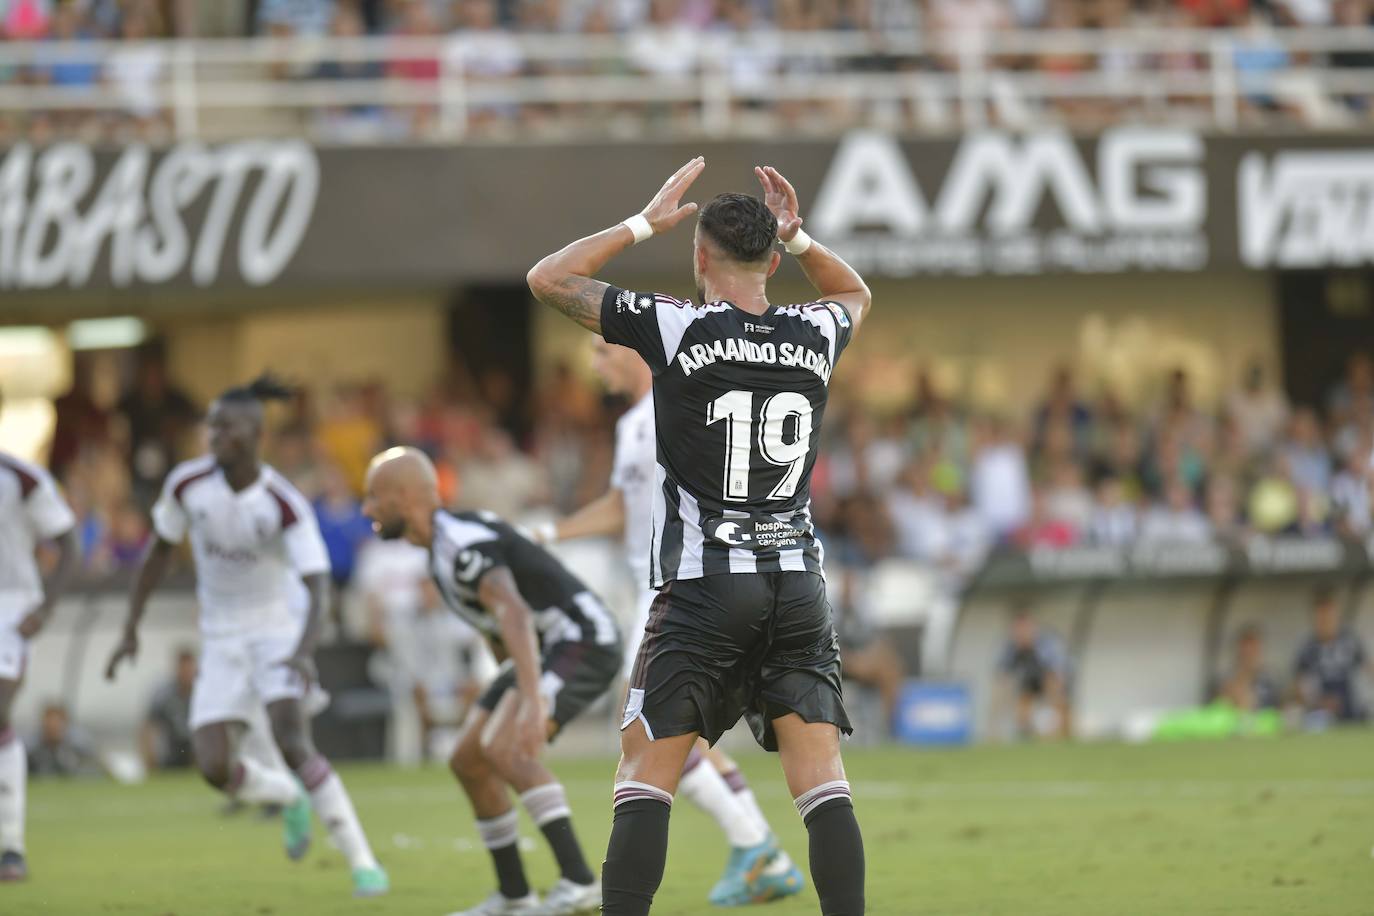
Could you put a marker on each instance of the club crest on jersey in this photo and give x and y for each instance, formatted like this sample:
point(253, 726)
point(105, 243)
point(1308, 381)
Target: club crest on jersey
point(627, 301)
point(841, 317)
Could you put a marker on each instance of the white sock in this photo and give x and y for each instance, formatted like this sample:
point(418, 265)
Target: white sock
point(335, 810)
point(14, 772)
point(705, 788)
point(258, 785)
point(745, 796)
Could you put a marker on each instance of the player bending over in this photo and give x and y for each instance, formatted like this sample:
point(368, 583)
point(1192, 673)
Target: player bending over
point(492, 577)
point(31, 511)
point(741, 624)
point(757, 870)
point(256, 544)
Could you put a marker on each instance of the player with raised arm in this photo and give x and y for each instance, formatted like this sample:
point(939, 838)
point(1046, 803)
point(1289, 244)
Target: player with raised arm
point(741, 624)
point(561, 651)
point(756, 871)
point(31, 512)
point(256, 544)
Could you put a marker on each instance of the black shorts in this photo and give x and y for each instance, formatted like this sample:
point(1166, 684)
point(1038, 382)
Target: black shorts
point(761, 645)
point(575, 674)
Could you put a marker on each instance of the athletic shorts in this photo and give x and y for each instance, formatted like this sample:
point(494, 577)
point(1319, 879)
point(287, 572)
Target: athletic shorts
point(575, 674)
point(238, 673)
point(14, 653)
point(634, 629)
point(758, 645)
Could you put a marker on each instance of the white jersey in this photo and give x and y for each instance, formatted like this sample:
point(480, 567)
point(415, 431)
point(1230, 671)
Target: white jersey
point(31, 510)
point(251, 547)
point(632, 473)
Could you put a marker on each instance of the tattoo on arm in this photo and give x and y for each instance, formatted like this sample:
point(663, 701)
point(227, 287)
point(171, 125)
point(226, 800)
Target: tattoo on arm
point(577, 297)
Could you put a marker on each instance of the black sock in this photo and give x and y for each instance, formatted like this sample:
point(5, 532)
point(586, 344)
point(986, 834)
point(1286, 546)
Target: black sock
point(634, 857)
point(568, 851)
point(510, 872)
point(837, 857)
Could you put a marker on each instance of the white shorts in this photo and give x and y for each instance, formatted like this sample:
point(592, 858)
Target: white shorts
point(14, 653)
point(634, 629)
point(239, 673)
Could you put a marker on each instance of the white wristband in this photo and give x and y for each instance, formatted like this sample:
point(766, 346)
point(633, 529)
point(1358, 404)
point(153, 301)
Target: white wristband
point(544, 533)
point(798, 243)
point(638, 225)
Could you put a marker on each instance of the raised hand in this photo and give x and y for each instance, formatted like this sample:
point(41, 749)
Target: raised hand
point(664, 211)
point(781, 198)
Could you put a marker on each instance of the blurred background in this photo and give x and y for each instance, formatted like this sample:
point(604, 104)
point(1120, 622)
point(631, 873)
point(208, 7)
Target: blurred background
point(1100, 457)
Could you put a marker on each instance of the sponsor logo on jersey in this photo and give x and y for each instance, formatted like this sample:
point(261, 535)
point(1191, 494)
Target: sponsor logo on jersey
point(751, 328)
point(762, 533)
point(627, 301)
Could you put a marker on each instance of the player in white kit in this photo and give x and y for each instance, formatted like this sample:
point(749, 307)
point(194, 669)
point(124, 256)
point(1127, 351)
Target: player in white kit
point(256, 545)
point(31, 511)
point(757, 870)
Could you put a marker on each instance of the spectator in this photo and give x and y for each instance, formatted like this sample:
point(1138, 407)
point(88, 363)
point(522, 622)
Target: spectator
point(486, 53)
point(1034, 672)
point(915, 511)
point(1067, 499)
point(1176, 520)
point(1259, 409)
point(1356, 388)
point(60, 748)
point(1248, 686)
point(499, 477)
point(1328, 666)
point(665, 47)
point(1042, 530)
point(1224, 510)
point(1114, 520)
point(136, 68)
point(1350, 497)
point(866, 461)
point(123, 545)
point(296, 18)
point(999, 481)
point(1308, 459)
point(348, 24)
point(81, 422)
point(345, 530)
point(159, 415)
point(1062, 406)
point(165, 738)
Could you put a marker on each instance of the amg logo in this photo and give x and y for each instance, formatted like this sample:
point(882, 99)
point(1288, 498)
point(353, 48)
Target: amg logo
point(1019, 204)
point(1306, 209)
point(751, 328)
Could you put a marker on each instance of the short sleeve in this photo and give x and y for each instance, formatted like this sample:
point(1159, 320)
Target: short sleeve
point(170, 520)
point(651, 324)
point(841, 323)
point(300, 531)
point(476, 560)
point(48, 512)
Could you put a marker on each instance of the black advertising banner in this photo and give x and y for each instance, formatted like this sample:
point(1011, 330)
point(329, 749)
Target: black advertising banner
point(258, 213)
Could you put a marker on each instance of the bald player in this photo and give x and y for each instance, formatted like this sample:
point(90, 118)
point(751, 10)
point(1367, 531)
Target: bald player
point(560, 651)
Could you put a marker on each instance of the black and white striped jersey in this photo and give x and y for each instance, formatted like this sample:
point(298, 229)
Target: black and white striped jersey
point(738, 404)
point(468, 545)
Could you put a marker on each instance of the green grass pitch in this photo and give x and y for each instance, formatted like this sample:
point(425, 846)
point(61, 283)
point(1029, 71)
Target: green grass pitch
point(1244, 827)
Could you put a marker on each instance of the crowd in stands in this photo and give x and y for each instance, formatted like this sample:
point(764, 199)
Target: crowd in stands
point(934, 481)
point(1321, 687)
point(666, 40)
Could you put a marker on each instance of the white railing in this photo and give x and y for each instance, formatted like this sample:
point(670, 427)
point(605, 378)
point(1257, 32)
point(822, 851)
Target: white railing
point(571, 86)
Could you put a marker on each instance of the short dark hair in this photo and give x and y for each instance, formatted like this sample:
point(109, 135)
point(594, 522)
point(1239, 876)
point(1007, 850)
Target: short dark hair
point(741, 225)
point(265, 387)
